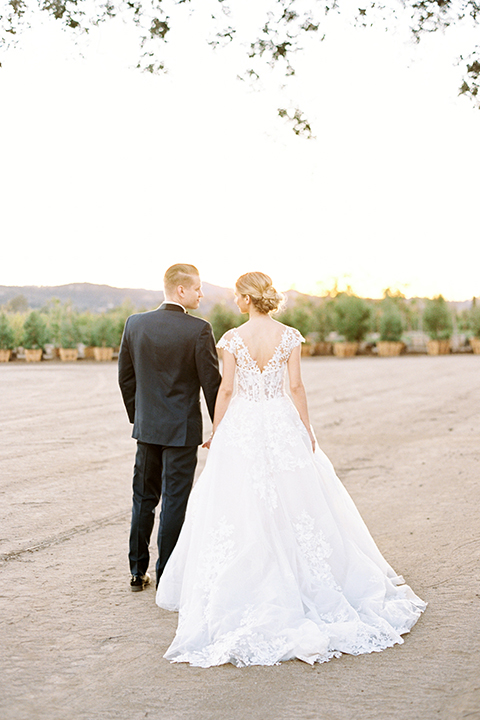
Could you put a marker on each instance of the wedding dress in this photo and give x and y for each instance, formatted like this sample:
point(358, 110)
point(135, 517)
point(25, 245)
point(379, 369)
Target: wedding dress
point(274, 561)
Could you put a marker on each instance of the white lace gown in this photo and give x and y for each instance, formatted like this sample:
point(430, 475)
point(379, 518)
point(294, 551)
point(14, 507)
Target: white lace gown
point(274, 561)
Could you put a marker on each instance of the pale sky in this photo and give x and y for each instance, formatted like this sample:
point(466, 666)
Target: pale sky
point(109, 176)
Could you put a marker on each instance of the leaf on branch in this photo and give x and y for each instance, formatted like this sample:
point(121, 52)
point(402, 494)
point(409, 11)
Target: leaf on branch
point(281, 50)
point(289, 16)
point(310, 27)
point(223, 37)
point(474, 69)
point(299, 122)
point(159, 28)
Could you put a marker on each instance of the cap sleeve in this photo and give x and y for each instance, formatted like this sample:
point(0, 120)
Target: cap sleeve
point(292, 339)
point(295, 338)
point(227, 342)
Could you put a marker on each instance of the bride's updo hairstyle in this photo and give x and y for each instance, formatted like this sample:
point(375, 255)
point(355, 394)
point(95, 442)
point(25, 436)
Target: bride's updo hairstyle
point(261, 291)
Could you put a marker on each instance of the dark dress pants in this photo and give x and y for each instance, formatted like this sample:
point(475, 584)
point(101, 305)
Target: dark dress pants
point(160, 472)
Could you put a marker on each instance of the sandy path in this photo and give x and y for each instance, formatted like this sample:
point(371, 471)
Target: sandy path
point(404, 435)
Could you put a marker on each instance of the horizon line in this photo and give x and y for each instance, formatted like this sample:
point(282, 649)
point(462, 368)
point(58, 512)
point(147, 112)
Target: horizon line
point(223, 287)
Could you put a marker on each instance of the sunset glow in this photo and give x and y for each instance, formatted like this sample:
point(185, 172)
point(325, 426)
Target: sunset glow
point(110, 176)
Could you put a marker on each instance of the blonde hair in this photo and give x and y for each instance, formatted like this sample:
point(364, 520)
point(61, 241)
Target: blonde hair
point(261, 291)
point(180, 274)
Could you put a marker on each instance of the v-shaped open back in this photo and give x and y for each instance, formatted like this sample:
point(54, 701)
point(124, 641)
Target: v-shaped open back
point(254, 383)
point(273, 357)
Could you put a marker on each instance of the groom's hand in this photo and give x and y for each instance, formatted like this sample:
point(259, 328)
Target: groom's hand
point(208, 442)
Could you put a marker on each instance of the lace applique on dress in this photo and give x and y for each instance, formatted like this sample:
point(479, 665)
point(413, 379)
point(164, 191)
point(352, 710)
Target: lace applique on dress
point(218, 552)
point(267, 435)
point(315, 549)
point(243, 646)
point(253, 383)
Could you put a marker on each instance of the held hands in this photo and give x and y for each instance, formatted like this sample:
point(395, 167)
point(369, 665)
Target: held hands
point(208, 442)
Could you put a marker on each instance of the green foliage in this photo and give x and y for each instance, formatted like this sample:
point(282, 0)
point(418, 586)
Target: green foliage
point(475, 321)
point(86, 323)
point(411, 314)
point(437, 319)
point(121, 313)
point(300, 316)
point(105, 331)
point(222, 318)
point(35, 332)
point(351, 317)
point(70, 331)
point(17, 321)
point(54, 311)
point(322, 319)
point(7, 334)
point(391, 324)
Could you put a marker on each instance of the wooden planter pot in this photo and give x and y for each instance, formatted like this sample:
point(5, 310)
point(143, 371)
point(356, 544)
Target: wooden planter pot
point(68, 354)
point(322, 348)
point(438, 347)
point(5, 355)
point(33, 355)
point(475, 345)
point(103, 353)
point(345, 349)
point(388, 348)
point(88, 352)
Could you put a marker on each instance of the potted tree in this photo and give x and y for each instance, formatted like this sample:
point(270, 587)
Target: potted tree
point(86, 323)
point(104, 337)
point(475, 329)
point(221, 318)
point(322, 325)
point(35, 336)
point(70, 336)
point(351, 320)
point(437, 321)
point(300, 317)
point(7, 338)
point(391, 330)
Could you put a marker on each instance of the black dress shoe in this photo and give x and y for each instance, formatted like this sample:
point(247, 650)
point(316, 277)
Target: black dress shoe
point(139, 582)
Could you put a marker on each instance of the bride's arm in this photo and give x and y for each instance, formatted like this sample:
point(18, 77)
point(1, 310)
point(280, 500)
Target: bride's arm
point(297, 390)
point(225, 392)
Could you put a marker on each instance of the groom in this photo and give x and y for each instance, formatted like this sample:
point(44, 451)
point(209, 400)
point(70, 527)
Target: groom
point(165, 357)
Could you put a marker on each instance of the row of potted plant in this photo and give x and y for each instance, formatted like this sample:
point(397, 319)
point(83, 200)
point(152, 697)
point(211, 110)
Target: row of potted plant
point(349, 319)
point(353, 323)
point(65, 331)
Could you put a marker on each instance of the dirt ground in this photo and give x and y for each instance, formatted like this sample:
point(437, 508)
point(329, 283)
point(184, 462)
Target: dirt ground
point(404, 435)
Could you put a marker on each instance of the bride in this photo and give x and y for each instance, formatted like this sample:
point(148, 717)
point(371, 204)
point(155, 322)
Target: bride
point(274, 561)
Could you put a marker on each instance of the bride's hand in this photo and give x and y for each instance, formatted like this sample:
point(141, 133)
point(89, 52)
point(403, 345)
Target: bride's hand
point(208, 442)
point(312, 439)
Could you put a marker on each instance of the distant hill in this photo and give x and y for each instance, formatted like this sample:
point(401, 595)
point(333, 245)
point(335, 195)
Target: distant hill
point(99, 298)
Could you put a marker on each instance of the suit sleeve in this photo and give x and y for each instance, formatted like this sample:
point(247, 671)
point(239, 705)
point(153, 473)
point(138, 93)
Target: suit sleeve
point(206, 359)
point(126, 376)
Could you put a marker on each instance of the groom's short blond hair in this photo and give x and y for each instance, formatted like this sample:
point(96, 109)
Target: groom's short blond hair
point(179, 274)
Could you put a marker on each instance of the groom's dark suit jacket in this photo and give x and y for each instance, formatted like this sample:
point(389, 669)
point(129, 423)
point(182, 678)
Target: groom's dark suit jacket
point(165, 357)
